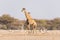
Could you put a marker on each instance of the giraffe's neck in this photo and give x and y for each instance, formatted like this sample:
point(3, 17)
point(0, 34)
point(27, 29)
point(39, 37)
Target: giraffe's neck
point(27, 15)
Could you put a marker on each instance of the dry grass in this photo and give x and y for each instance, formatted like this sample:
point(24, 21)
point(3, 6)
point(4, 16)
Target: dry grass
point(29, 35)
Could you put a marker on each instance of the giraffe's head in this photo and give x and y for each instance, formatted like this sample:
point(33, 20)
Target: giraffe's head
point(23, 9)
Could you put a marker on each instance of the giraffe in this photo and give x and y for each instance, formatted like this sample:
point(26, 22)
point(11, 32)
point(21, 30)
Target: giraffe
point(29, 22)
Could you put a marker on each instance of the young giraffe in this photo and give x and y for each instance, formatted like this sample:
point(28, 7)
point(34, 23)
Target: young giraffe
point(30, 22)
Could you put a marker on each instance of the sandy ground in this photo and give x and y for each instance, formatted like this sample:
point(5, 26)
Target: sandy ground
point(29, 35)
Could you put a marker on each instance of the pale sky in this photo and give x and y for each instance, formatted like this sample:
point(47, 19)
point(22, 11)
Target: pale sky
point(39, 9)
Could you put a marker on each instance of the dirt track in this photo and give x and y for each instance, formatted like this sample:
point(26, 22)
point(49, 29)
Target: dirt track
point(25, 35)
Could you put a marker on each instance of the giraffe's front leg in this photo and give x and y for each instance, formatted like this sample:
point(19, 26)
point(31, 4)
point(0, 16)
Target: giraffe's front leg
point(28, 26)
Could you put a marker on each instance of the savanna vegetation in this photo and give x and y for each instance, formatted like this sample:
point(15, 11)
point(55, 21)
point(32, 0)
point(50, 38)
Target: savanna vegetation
point(7, 22)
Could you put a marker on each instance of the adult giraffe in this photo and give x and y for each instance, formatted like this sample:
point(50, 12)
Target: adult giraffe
point(29, 22)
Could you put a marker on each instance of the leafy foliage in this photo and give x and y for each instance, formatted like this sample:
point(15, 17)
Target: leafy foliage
point(8, 22)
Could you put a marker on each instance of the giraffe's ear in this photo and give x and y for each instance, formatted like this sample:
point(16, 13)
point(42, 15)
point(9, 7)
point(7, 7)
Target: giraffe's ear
point(28, 12)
